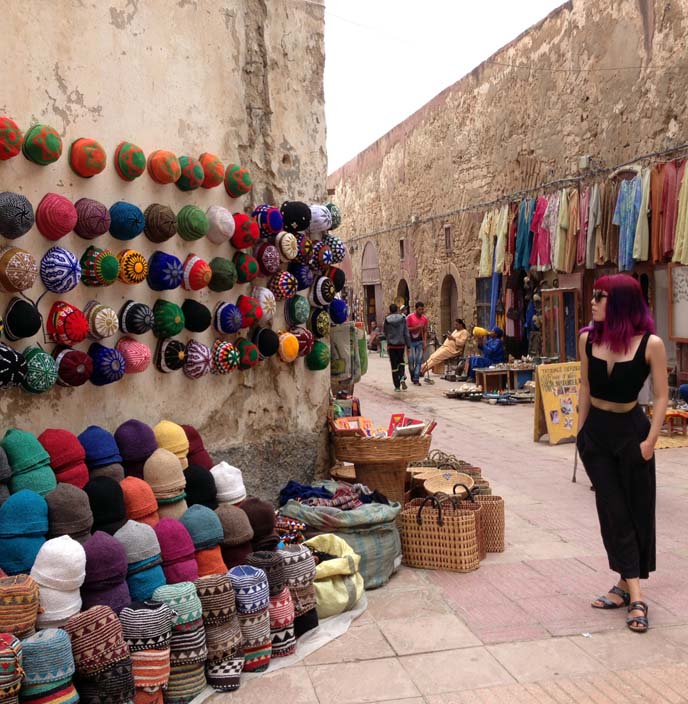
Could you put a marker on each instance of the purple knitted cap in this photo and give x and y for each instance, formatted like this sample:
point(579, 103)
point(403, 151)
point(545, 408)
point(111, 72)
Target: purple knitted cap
point(136, 442)
point(116, 597)
point(106, 561)
point(175, 540)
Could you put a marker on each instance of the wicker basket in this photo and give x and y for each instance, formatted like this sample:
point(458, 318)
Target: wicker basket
point(470, 504)
point(379, 450)
point(445, 482)
point(438, 536)
point(492, 521)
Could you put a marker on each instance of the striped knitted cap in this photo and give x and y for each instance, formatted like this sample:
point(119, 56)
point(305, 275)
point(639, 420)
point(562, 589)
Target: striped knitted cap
point(224, 640)
point(225, 675)
point(282, 624)
point(299, 565)
point(217, 598)
point(97, 642)
point(186, 682)
point(114, 685)
point(251, 591)
point(11, 671)
point(19, 604)
point(47, 657)
point(272, 564)
point(151, 670)
point(257, 650)
point(147, 625)
point(188, 643)
point(182, 599)
point(304, 598)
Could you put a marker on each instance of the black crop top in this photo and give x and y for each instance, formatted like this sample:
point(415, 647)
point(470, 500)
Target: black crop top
point(627, 378)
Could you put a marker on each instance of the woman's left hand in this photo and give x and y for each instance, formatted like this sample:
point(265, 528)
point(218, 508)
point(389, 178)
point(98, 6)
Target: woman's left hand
point(647, 449)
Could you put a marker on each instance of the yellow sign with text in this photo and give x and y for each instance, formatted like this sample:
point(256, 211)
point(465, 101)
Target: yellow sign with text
point(556, 401)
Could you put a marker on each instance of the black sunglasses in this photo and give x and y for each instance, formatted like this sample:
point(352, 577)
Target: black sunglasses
point(597, 296)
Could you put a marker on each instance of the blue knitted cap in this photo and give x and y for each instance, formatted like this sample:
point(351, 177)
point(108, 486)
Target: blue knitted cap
point(24, 514)
point(126, 221)
point(142, 584)
point(165, 271)
point(101, 448)
point(18, 554)
point(47, 657)
point(203, 525)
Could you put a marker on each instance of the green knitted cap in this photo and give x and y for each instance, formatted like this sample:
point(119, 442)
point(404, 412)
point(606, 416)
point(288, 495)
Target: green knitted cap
point(192, 223)
point(23, 450)
point(41, 372)
point(42, 145)
point(224, 274)
point(319, 357)
point(169, 319)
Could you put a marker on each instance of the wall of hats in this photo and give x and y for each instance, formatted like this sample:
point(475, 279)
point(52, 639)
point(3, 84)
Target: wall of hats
point(93, 292)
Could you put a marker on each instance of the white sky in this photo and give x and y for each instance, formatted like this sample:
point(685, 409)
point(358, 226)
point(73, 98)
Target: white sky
point(384, 59)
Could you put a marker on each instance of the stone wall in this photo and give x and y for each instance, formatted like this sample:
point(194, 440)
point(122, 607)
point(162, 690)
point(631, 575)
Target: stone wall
point(242, 79)
point(595, 77)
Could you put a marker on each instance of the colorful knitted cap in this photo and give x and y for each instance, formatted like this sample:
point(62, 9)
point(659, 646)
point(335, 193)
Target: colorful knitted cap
point(47, 657)
point(163, 166)
point(74, 367)
point(283, 285)
point(183, 600)
point(11, 671)
point(197, 273)
point(321, 219)
point(272, 564)
point(18, 270)
point(269, 220)
point(319, 322)
point(237, 181)
point(41, 371)
point(227, 318)
point(318, 358)
point(170, 355)
point(192, 223)
point(136, 442)
point(217, 600)
point(16, 213)
point(322, 256)
point(336, 215)
point(323, 291)
point(99, 267)
point(192, 174)
point(67, 456)
point(133, 267)
point(60, 270)
point(139, 540)
point(126, 221)
point(248, 353)
point(305, 338)
point(102, 320)
point(107, 504)
point(296, 216)
point(203, 525)
point(250, 310)
point(229, 483)
point(177, 550)
point(108, 364)
point(198, 360)
point(339, 311)
point(60, 564)
point(337, 247)
point(56, 216)
point(224, 274)
point(220, 224)
point(288, 246)
point(246, 232)
point(163, 472)
point(337, 276)
point(169, 319)
point(24, 451)
point(288, 347)
point(99, 446)
point(172, 437)
point(267, 342)
point(69, 512)
point(213, 170)
point(42, 145)
point(197, 317)
point(165, 271)
point(11, 138)
point(19, 604)
point(251, 591)
point(137, 355)
point(147, 626)
point(236, 527)
point(87, 157)
point(225, 357)
point(299, 565)
point(139, 500)
point(246, 267)
point(161, 223)
point(130, 161)
point(93, 218)
point(266, 301)
point(12, 367)
point(66, 324)
point(135, 318)
point(305, 247)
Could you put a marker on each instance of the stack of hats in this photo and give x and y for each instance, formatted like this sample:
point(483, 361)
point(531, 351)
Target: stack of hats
point(163, 472)
point(101, 657)
point(177, 551)
point(197, 452)
point(299, 573)
point(69, 513)
point(200, 487)
point(147, 629)
point(59, 570)
point(19, 604)
point(237, 534)
point(136, 442)
point(261, 516)
point(105, 582)
point(229, 483)
point(144, 562)
point(281, 606)
point(67, 456)
point(103, 458)
point(252, 596)
point(11, 670)
point(29, 461)
point(5, 474)
point(48, 668)
point(107, 504)
point(173, 438)
point(188, 649)
point(206, 533)
point(139, 501)
point(222, 632)
point(23, 527)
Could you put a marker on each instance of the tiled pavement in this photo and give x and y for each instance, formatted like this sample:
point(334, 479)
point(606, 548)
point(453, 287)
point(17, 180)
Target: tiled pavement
point(519, 629)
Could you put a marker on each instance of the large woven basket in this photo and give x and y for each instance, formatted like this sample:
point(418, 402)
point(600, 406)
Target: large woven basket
point(493, 523)
point(380, 450)
point(444, 482)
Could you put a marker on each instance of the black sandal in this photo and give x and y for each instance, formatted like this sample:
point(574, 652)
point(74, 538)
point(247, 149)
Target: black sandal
point(607, 603)
point(638, 624)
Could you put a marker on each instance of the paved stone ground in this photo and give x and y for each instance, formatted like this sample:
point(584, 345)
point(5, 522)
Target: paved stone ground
point(519, 629)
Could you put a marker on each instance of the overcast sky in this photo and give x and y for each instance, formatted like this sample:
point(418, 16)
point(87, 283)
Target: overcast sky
point(384, 59)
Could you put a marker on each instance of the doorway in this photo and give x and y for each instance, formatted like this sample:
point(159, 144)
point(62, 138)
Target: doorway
point(370, 307)
point(403, 296)
point(449, 304)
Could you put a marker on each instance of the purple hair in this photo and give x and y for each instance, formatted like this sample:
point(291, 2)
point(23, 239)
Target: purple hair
point(627, 313)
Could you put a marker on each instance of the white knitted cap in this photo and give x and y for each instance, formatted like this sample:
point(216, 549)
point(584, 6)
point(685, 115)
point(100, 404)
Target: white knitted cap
point(60, 564)
point(58, 606)
point(229, 483)
point(221, 224)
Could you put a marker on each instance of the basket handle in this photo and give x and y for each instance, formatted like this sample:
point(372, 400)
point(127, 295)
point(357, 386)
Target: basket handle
point(437, 504)
point(447, 465)
point(469, 492)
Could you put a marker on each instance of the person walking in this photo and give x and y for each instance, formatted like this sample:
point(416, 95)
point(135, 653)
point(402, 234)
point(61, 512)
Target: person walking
point(616, 441)
point(397, 335)
point(418, 330)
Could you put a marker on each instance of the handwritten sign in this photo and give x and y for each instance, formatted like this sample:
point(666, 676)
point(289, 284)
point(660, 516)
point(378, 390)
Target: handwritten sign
point(556, 402)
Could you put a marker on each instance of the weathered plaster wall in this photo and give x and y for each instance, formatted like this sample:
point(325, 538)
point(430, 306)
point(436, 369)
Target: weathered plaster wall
point(597, 77)
point(239, 78)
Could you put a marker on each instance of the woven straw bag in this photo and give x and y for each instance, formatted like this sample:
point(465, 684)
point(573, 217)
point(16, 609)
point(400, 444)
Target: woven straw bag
point(492, 521)
point(470, 504)
point(438, 536)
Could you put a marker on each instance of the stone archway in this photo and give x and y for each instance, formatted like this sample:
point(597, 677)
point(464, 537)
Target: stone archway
point(403, 293)
point(373, 306)
point(449, 304)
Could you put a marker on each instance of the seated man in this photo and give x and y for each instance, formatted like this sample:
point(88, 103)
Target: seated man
point(373, 341)
point(453, 346)
point(492, 350)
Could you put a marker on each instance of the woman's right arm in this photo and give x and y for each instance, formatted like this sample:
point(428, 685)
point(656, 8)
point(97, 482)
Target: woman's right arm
point(584, 394)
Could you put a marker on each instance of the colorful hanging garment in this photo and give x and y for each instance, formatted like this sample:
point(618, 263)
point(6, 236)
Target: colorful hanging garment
point(502, 233)
point(681, 236)
point(584, 213)
point(641, 243)
point(572, 231)
point(523, 238)
point(540, 255)
point(656, 213)
point(487, 244)
point(673, 178)
point(559, 256)
point(626, 217)
point(594, 221)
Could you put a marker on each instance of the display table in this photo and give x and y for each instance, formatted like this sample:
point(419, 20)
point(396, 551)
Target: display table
point(519, 376)
point(492, 379)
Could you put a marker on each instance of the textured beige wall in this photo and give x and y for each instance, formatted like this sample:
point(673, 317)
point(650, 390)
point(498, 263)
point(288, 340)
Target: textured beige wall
point(504, 127)
point(239, 78)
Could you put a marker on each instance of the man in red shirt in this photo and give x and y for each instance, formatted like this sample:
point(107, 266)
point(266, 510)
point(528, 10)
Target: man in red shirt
point(418, 331)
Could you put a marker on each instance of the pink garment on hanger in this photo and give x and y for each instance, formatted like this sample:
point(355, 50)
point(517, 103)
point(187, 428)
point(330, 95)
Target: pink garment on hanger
point(540, 254)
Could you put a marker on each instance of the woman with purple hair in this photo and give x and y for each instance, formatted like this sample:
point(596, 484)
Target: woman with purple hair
point(616, 441)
